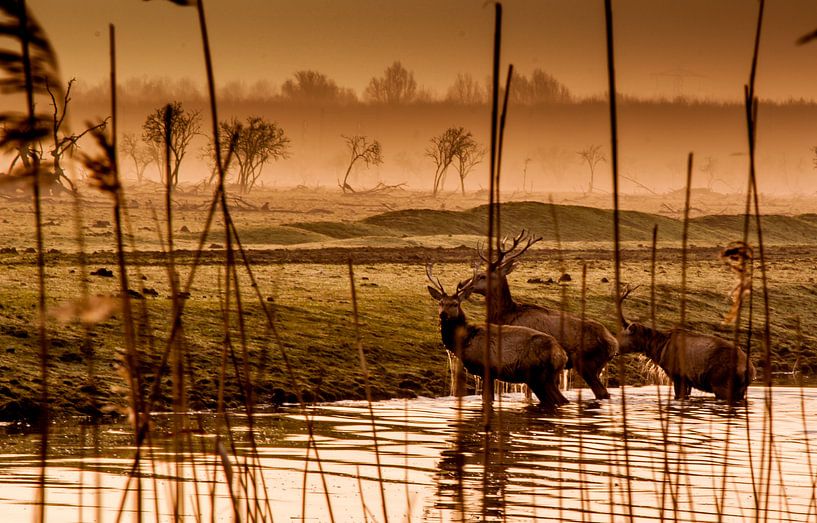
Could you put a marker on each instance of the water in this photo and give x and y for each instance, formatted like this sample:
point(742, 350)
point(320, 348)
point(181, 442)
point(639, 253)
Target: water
point(571, 465)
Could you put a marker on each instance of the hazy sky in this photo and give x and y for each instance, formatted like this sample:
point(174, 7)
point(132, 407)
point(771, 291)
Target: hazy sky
point(664, 47)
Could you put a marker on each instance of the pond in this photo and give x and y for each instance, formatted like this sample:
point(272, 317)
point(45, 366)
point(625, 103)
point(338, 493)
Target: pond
point(698, 460)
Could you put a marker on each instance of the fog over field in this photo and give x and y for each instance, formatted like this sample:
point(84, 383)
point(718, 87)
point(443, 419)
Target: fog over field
point(681, 68)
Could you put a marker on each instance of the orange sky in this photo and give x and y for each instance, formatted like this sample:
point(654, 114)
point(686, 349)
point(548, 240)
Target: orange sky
point(664, 48)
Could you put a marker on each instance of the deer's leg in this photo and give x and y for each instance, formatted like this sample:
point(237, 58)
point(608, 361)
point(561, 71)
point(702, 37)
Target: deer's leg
point(548, 393)
point(545, 384)
point(681, 388)
point(590, 375)
point(488, 391)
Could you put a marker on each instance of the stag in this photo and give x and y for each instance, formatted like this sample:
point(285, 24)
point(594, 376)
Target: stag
point(702, 361)
point(515, 354)
point(588, 343)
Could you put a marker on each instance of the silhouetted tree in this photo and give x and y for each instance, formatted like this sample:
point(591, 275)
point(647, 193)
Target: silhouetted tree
point(593, 156)
point(710, 167)
point(256, 142)
point(465, 90)
point(64, 143)
point(467, 155)
point(171, 128)
point(49, 154)
point(540, 88)
point(397, 85)
point(444, 150)
point(133, 148)
point(312, 86)
point(360, 149)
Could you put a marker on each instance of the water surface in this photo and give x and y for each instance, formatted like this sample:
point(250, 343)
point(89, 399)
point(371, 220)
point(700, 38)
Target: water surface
point(698, 460)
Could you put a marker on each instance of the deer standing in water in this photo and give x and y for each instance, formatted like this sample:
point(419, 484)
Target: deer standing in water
point(702, 361)
point(515, 354)
point(589, 345)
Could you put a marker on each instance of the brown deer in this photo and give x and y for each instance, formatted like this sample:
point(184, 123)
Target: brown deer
point(515, 354)
point(589, 345)
point(702, 361)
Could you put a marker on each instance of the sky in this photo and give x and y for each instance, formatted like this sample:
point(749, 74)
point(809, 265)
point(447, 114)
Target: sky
point(693, 48)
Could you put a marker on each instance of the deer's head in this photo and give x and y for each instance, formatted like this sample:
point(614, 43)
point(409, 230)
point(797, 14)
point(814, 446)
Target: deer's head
point(506, 255)
point(450, 304)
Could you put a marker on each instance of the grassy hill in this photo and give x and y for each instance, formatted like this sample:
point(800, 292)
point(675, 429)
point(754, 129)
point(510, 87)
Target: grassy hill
point(575, 224)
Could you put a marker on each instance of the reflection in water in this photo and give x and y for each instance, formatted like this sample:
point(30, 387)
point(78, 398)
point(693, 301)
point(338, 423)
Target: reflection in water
point(688, 461)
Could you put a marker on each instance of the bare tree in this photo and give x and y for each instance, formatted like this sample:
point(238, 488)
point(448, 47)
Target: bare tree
point(465, 91)
point(444, 150)
point(710, 167)
point(467, 155)
point(360, 149)
point(593, 156)
point(53, 178)
point(397, 85)
point(256, 142)
point(312, 86)
point(171, 128)
point(133, 148)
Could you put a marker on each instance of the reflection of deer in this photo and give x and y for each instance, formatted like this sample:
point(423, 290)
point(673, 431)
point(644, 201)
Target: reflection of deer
point(515, 354)
point(705, 362)
point(589, 345)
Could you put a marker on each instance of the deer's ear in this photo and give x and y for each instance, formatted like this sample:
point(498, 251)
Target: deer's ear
point(465, 294)
point(437, 295)
point(505, 270)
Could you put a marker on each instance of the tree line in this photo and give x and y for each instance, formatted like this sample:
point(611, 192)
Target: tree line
point(396, 85)
point(249, 145)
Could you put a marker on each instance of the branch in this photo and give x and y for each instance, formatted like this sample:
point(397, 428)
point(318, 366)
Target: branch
point(70, 141)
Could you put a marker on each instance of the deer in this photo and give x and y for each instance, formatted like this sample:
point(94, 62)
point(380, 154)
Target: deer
point(588, 343)
point(691, 360)
point(515, 354)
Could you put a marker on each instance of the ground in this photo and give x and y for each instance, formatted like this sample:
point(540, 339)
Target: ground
point(299, 245)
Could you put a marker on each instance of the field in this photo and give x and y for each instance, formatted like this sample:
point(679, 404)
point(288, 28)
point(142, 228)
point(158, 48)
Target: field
point(299, 243)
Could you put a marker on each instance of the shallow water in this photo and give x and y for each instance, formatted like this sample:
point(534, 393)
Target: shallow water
point(577, 464)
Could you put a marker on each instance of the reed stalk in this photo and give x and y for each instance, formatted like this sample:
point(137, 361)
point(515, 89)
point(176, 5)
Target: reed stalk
point(364, 369)
point(611, 79)
point(42, 333)
point(490, 301)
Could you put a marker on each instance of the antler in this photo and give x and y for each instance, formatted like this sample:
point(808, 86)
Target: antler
point(503, 250)
point(433, 279)
point(465, 285)
point(623, 296)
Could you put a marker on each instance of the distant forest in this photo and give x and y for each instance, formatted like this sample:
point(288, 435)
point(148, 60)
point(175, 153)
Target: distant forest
point(548, 130)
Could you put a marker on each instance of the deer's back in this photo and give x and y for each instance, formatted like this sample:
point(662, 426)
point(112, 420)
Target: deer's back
point(567, 329)
point(703, 359)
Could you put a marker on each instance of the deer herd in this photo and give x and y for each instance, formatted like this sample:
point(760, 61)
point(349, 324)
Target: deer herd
point(532, 344)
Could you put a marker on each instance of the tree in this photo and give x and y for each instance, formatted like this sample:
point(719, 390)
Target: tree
point(396, 86)
point(465, 91)
point(171, 128)
point(593, 156)
point(256, 143)
point(710, 167)
point(360, 149)
point(540, 88)
point(52, 175)
point(444, 149)
point(138, 153)
point(312, 86)
point(467, 155)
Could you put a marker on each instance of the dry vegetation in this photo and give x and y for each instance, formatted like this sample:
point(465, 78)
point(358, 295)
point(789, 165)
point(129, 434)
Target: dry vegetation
point(299, 246)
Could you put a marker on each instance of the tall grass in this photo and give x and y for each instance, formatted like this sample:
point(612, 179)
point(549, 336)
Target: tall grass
point(242, 470)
